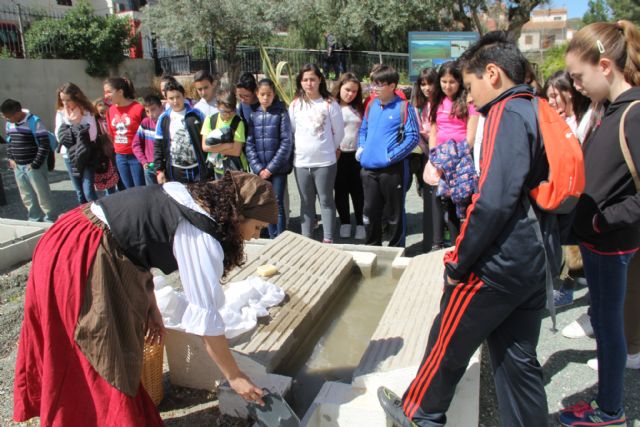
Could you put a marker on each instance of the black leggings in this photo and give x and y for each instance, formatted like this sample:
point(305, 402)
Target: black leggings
point(438, 212)
point(349, 183)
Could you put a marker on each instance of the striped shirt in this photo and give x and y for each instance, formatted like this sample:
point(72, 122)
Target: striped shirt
point(143, 141)
point(22, 147)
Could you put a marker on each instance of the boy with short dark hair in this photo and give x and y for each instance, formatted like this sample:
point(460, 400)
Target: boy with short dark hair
point(28, 159)
point(177, 150)
point(495, 277)
point(206, 86)
point(388, 134)
point(144, 140)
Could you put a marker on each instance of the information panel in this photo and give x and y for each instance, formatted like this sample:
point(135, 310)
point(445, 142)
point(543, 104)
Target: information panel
point(433, 48)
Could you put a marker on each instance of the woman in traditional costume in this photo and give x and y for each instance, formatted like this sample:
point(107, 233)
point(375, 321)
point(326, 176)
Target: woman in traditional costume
point(89, 301)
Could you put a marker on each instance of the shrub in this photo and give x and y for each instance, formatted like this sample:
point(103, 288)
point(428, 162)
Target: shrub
point(80, 34)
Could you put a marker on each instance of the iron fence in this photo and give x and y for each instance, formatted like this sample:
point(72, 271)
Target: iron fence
point(15, 20)
point(175, 61)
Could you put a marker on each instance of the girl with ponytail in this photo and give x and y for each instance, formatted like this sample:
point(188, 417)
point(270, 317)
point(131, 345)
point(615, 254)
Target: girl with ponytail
point(124, 118)
point(603, 60)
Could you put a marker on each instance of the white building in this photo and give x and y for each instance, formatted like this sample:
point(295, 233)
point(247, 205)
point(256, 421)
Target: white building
point(547, 28)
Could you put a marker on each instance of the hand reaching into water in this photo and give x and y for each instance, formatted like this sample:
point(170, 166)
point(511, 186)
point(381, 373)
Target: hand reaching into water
point(246, 389)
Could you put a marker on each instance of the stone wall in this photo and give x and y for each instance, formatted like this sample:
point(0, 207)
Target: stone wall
point(33, 82)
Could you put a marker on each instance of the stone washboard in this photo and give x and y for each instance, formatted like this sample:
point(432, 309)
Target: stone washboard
point(310, 273)
point(401, 337)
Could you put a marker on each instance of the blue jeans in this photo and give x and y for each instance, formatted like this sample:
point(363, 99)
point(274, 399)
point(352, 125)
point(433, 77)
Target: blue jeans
point(150, 177)
point(607, 279)
point(279, 183)
point(85, 191)
point(130, 170)
point(35, 192)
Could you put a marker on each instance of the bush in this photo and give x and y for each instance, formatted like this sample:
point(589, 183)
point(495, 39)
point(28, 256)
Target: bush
point(553, 61)
point(80, 34)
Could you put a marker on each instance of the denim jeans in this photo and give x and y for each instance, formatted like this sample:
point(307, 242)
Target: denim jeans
point(35, 192)
point(279, 183)
point(150, 177)
point(130, 170)
point(85, 191)
point(607, 279)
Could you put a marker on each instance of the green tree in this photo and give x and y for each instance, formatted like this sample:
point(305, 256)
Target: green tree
point(226, 22)
point(626, 9)
point(553, 61)
point(80, 34)
point(597, 12)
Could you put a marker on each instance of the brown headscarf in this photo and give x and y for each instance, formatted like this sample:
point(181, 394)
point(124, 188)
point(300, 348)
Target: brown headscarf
point(256, 198)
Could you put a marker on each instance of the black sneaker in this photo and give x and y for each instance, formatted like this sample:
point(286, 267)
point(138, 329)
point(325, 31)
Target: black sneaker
point(392, 406)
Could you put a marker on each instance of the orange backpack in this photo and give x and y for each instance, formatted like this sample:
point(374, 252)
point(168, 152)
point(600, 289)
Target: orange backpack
point(560, 192)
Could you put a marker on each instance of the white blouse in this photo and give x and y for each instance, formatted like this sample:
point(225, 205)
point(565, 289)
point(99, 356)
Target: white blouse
point(199, 256)
point(352, 121)
point(318, 129)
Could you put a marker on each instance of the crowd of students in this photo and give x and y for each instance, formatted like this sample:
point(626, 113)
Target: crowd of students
point(469, 135)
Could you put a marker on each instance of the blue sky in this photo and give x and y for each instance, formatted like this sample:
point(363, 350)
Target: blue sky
point(575, 8)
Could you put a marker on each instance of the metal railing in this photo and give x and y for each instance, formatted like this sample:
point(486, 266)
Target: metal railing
point(175, 61)
point(15, 20)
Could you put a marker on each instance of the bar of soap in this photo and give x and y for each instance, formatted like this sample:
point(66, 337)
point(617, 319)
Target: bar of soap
point(267, 270)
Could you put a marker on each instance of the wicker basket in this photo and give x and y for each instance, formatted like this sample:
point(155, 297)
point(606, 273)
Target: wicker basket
point(152, 371)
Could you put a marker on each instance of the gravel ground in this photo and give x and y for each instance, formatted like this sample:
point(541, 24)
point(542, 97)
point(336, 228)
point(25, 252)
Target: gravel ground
point(567, 377)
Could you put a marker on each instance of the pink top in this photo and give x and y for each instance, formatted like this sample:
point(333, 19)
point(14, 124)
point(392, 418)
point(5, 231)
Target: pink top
point(449, 126)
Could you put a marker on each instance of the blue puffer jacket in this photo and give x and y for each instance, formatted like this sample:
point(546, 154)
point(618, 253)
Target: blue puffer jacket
point(269, 140)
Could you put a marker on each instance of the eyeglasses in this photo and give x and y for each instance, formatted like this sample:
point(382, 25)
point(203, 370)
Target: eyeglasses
point(378, 85)
point(225, 111)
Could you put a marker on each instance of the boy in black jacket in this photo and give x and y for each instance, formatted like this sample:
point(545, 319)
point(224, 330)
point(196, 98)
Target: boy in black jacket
point(495, 277)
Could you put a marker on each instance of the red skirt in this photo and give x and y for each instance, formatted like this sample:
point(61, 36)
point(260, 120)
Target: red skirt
point(54, 380)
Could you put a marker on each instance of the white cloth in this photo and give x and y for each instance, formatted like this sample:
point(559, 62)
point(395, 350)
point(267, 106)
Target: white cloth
point(318, 129)
point(246, 301)
point(199, 257)
point(206, 108)
point(352, 121)
point(87, 118)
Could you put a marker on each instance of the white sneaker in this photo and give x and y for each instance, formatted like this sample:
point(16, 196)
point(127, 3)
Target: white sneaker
point(361, 234)
point(633, 361)
point(345, 230)
point(593, 364)
point(581, 327)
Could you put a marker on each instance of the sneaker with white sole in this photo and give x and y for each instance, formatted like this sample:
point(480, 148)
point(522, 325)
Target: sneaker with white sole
point(345, 230)
point(361, 233)
point(581, 327)
point(633, 362)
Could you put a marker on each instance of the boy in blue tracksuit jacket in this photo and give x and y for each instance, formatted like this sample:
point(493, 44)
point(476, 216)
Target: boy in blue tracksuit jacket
point(383, 154)
point(494, 283)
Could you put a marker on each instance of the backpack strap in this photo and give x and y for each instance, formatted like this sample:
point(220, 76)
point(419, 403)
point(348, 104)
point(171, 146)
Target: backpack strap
point(548, 276)
point(33, 120)
point(235, 122)
point(213, 120)
point(624, 147)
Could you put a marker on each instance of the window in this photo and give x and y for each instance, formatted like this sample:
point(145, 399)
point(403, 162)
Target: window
point(557, 18)
point(528, 39)
point(64, 2)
